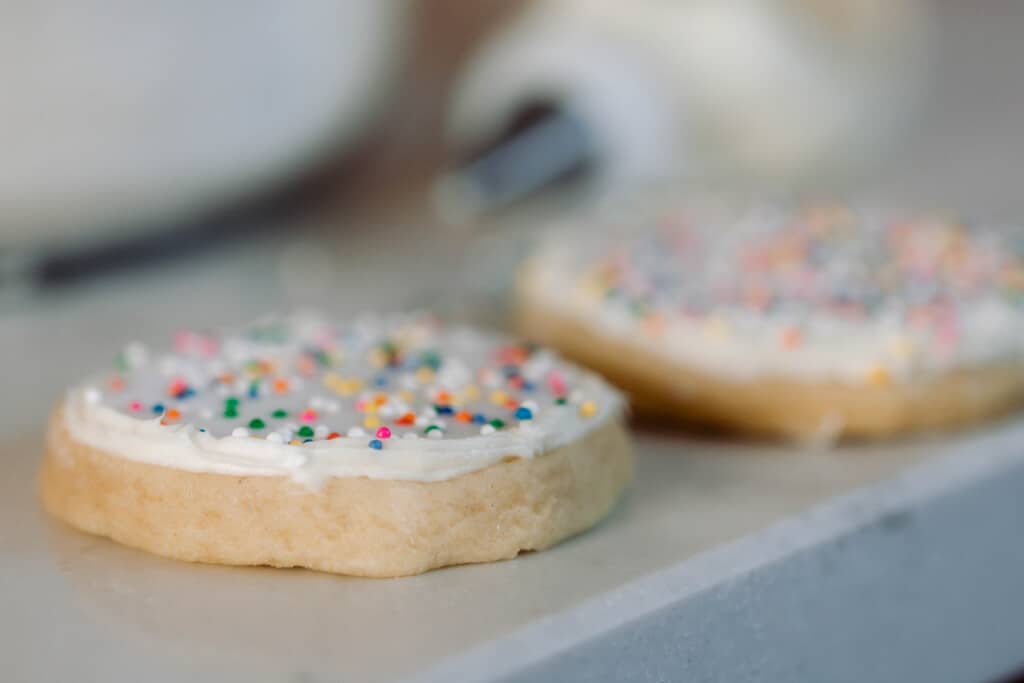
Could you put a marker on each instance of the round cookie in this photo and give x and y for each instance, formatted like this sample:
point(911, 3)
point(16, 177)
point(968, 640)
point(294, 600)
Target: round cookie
point(806, 322)
point(385, 446)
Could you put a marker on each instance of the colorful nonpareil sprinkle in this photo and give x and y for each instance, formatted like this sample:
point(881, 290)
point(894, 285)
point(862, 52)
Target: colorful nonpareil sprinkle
point(300, 381)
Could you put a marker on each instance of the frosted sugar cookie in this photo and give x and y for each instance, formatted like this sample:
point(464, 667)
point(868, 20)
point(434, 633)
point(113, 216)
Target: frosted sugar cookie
point(801, 322)
point(384, 446)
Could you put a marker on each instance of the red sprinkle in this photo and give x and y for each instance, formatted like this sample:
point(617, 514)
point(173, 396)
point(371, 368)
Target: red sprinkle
point(333, 435)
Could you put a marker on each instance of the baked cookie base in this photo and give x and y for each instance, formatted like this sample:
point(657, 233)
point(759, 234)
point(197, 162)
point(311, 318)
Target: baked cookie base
point(775, 406)
point(352, 525)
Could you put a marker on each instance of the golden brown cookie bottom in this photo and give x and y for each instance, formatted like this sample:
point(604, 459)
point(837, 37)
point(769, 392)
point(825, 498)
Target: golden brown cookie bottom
point(777, 406)
point(352, 525)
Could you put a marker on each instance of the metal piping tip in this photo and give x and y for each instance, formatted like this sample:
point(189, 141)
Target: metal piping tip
point(546, 146)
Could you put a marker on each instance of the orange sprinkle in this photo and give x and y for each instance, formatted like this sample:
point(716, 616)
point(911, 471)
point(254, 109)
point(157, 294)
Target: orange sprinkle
point(116, 383)
point(878, 376)
point(333, 435)
point(306, 365)
point(443, 397)
point(281, 385)
point(407, 419)
point(464, 416)
point(791, 337)
point(172, 415)
point(380, 399)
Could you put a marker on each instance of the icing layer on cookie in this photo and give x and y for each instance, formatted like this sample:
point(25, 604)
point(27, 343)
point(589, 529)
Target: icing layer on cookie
point(396, 397)
point(823, 293)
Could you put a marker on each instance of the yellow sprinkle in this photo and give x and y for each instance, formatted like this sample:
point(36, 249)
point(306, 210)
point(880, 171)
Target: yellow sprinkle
point(903, 348)
point(407, 396)
point(377, 358)
point(716, 327)
point(295, 442)
point(588, 409)
point(470, 392)
point(371, 422)
point(499, 397)
point(370, 408)
point(424, 375)
point(878, 376)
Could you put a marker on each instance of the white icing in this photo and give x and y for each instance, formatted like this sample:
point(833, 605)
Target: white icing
point(740, 342)
point(99, 420)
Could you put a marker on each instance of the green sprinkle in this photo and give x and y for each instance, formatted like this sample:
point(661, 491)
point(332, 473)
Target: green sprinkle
point(431, 358)
point(305, 431)
point(231, 402)
point(560, 401)
point(230, 411)
point(431, 428)
point(280, 413)
point(496, 423)
point(256, 423)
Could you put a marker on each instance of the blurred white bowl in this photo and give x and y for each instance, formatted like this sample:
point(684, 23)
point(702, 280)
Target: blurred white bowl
point(120, 115)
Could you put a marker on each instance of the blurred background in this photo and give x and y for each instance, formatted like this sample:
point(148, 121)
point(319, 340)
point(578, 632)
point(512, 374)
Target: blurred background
point(178, 164)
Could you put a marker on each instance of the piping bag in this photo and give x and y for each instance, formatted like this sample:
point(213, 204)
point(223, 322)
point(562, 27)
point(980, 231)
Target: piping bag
point(604, 96)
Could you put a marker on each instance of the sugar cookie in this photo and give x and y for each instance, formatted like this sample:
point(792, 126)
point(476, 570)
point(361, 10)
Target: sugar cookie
point(807, 322)
point(384, 446)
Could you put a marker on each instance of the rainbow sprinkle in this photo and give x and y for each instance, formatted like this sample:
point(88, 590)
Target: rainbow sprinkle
point(300, 380)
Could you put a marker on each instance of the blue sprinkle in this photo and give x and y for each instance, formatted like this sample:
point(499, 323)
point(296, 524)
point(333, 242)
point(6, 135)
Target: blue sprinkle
point(307, 441)
point(529, 386)
point(188, 392)
point(444, 410)
point(202, 429)
point(158, 408)
point(380, 381)
point(376, 444)
point(254, 392)
point(480, 419)
point(524, 413)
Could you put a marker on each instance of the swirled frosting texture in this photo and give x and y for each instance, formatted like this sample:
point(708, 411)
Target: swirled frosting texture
point(395, 397)
point(822, 293)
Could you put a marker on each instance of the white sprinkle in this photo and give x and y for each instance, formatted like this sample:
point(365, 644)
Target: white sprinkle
point(93, 395)
point(356, 432)
point(530, 405)
point(317, 402)
point(421, 421)
point(435, 434)
point(275, 437)
point(320, 431)
point(386, 410)
point(331, 406)
point(239, 431)
point(168, 365)
point(487, 429)
point(287, 434)
point(136, 355)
